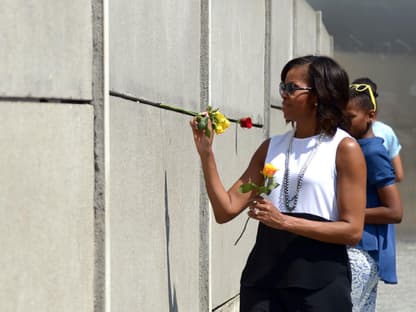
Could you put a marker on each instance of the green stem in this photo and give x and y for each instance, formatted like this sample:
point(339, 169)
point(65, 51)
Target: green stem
point(177, 109)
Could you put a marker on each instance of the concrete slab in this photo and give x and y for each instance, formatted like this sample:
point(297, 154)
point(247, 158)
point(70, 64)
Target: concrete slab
point(237, 80)
point(305, 35)
point(281, 45)
point(46, 207)
point(155, 50)
point(154, 210)
point(46, 49)
point(325, 42)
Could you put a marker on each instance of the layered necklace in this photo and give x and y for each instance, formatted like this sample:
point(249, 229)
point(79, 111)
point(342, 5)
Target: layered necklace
point(291, 202)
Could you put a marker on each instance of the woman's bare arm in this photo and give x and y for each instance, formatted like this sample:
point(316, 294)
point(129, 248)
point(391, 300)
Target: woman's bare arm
point(227, 204)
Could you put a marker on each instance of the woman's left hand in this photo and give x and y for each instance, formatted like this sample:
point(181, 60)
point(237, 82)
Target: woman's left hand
point(264, 211)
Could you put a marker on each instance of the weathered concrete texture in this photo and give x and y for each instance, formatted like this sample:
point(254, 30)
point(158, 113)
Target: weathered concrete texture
point(154, 210)
point(155, 50)
point(233, 151)
point(237, 59)
point(305, 34)
point(46, 207)
point(46, 49)
point(325, 42)
point(281, 45)
point(394, 75)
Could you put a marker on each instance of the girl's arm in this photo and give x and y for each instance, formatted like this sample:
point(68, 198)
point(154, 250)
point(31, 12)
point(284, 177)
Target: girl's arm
point(398, 168)
point(392, 209)
point(227, 204)
point(351, 187)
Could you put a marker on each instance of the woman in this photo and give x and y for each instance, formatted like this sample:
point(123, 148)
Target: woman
point(374, 256)
point(299, 261)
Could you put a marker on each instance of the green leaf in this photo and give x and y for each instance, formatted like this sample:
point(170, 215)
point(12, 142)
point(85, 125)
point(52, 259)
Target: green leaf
point(270, 187)
point(262, 189)
point(203, 123)
point(207, 132)
point(247, 187)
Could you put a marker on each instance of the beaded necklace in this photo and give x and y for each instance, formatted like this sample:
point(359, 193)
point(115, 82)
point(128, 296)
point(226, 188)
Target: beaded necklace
point(290, 203)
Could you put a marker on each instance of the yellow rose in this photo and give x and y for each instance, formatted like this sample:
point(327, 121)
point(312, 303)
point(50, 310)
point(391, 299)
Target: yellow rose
point(219, 129)
point(225, 123)
point(269, 170)
point(218, 116)
point(221, 122)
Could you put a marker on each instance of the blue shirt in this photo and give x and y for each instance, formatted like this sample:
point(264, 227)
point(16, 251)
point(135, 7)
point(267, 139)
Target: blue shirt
point(391, 142)
point(379, 239)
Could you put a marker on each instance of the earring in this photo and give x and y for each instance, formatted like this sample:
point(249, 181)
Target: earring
point(316, 104)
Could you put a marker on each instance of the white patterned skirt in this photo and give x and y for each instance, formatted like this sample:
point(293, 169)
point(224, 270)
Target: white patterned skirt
point(364, 280)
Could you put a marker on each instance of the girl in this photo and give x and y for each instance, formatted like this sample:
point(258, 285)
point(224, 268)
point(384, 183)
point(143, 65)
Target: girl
point(299, 261)
point(380, 129)
point(374, 256)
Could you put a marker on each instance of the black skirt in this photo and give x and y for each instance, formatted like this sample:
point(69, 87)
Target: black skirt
point(280, 259)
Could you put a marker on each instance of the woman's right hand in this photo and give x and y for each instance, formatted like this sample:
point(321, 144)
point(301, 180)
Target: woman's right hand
point(203, 143)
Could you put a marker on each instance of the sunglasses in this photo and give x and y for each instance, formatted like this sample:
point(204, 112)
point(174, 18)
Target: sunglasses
point(362, 87)
point(290, 88)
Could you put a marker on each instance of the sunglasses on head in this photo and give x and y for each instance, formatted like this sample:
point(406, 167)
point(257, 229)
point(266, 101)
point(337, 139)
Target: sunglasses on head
point(290, 88)
point(362, 87)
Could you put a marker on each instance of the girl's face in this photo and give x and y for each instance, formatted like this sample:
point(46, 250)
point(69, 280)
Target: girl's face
point(300, 105)
point(360, 120)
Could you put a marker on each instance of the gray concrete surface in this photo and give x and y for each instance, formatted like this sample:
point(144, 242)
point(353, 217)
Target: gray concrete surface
point(154, 215)
point(305, 29)
point(46, 199)
point(325, 42)
point(281, 46)
point(237, 62)
point(155, 50)
point(401, 297)
point(46, 49)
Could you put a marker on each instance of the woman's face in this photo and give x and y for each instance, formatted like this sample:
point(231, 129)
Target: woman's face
point(300, 104)
point(359, 119)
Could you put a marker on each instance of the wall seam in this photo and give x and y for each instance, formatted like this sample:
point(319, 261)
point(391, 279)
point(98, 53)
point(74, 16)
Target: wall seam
point(205, 300)
point(267, 66)
point(98, 99)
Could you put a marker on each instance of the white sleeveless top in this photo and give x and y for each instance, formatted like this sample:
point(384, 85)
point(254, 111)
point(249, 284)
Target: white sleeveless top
point(317, 195)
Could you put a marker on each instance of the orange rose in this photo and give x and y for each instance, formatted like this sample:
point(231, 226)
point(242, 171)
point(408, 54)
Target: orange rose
point(269, 170)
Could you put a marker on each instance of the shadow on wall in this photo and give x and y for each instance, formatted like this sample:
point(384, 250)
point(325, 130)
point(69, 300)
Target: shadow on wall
point(173, 303)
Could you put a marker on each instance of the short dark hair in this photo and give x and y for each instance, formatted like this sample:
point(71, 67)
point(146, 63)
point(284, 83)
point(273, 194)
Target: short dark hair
point(330, 83)
point(366, 80)
point(363, 98)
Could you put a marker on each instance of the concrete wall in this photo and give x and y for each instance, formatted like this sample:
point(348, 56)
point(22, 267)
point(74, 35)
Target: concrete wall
point(154, 216)
point(393, 74)
point(325, 42)
point(305, 29)
point(46, 49)
point(47, 159)
point(298, 33)
point(103, 202)
point(237, 86)
point(46, 201)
